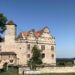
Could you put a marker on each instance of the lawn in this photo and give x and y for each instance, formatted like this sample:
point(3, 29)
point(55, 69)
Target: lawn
point(10, 73)
point(57, 74)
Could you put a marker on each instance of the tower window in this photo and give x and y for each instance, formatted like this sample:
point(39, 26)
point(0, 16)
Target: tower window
point(42, 47)
point(52, 56)
point(28, 46)
point(52, 48)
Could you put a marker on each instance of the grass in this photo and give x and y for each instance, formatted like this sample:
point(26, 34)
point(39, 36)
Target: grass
point(56, 74)
point(10, 73)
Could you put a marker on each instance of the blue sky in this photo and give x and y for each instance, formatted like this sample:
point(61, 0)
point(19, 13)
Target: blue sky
point(58, 15)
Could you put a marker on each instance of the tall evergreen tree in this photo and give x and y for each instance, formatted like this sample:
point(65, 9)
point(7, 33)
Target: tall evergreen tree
point(36, 58)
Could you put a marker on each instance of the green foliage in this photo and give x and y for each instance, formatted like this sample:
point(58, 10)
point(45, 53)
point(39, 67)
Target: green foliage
point(3, 20)
point(69, 64)
point(36, 58)
point(63, 63)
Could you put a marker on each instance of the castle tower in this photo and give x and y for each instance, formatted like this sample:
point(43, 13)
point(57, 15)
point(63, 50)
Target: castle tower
point(10, 33)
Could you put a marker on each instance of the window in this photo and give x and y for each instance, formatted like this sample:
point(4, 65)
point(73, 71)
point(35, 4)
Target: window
point(52, 55)
point(28, 55)
point(20, 48)
point(42, 47)
point(43, 55)
point(0, 48)
point(11, 61)
point(28, 46)
point(0, 61)
point(35, 45)
point(52, 48)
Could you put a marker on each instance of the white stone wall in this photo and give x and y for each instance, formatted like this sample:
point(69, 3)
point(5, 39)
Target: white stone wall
point(48, 70)
point(58, 69)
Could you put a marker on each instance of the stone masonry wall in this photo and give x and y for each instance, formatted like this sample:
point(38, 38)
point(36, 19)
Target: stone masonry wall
point(49, 70)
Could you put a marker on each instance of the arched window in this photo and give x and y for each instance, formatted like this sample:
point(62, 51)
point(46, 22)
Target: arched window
point(52, 48)
point(11, 61)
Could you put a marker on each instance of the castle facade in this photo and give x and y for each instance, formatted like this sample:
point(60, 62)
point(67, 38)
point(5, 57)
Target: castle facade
point(17, 49)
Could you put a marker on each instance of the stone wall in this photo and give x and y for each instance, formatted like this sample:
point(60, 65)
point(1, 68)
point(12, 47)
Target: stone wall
point(48, 70)
point(58, 69)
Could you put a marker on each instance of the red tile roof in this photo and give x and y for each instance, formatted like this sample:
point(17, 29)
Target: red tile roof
point(36, 34)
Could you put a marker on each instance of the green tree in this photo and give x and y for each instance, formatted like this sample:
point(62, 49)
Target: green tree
point(36, 58)
point(3, 20)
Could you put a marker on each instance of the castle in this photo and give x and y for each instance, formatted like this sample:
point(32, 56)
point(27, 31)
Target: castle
point(17, 49)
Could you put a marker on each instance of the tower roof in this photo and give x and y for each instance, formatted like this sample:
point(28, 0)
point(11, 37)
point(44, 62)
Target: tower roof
point(10, 23)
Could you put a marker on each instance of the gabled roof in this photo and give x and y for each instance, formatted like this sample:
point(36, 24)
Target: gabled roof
point(37, 34)
point(25, 34)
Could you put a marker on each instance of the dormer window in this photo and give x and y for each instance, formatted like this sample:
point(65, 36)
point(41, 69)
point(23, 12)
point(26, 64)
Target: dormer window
point(46, 30)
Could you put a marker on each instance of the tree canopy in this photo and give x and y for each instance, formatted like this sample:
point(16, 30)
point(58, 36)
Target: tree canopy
point(3, 20)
